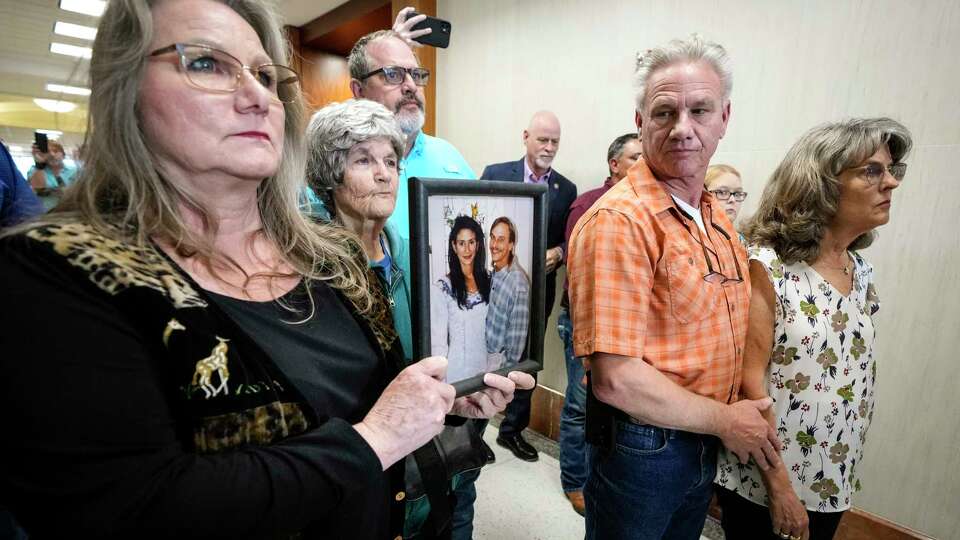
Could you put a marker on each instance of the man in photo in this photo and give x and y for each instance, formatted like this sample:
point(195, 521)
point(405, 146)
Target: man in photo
point(508, 317)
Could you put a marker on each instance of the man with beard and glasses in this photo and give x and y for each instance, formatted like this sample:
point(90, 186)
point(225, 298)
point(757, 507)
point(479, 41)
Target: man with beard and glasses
point(384, 69)
point(541, 140)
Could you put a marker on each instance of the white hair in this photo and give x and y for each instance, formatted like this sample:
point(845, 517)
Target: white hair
point(692, 49)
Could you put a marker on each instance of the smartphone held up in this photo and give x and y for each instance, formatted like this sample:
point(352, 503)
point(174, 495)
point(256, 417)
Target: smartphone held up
point(439, 35)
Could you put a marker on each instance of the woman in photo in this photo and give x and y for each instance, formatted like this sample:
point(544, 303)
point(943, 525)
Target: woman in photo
point(459, 302)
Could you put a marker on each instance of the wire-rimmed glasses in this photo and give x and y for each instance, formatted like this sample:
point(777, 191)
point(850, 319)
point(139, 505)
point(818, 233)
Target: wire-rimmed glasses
point(873, 172)
point(211, 69)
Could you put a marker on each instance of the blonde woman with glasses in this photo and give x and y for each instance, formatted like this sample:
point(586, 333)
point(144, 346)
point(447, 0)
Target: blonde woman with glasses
point(219, 367)
point(810, 336)
point(725, 184)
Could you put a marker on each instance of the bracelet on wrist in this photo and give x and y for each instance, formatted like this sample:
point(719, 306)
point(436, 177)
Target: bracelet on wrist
point(40, 166)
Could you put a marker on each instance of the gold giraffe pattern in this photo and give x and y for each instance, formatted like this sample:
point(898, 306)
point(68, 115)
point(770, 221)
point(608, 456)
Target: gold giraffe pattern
point(172, 325)
point(216, 362)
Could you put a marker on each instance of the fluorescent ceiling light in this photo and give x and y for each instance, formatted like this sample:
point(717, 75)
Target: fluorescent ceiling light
point(71, 50)
point(54, 105)
point(52, 133)
point(75, 30)
point(87, 7)
point(63, 89)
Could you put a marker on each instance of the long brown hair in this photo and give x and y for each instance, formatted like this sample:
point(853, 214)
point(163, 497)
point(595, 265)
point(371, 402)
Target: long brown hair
point(120, 191)
point(801, 198)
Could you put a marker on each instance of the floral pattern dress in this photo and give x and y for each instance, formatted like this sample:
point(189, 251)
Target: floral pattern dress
point(821, 375)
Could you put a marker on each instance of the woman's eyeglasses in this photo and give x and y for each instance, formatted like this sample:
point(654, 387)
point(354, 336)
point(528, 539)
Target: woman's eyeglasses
point(873, 172)
point(724, 194)
point(396, 74)
point(212, 69)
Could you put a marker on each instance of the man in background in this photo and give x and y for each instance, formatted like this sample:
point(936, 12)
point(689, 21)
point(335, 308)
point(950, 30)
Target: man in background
point(623, 152)
point(384, 69)
point(50, 174)
point(541, 140)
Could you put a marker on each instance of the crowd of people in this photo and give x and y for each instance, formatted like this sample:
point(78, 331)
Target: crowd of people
point(230, 362)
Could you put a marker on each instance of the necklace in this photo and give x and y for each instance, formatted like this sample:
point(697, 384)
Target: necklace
point(845, 267)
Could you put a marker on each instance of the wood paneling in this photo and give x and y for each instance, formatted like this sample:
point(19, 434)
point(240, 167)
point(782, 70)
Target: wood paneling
point(326, 78)
point(344, 16)
point(545, 406)
point(339, 40)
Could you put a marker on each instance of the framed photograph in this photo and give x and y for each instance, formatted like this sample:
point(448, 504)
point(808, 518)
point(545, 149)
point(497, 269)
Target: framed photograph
point(478, 276)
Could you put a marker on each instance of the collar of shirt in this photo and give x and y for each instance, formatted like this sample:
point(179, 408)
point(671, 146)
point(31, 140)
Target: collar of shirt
point(609, 182)
point(647, 187)
point(416, 150)
point(530, 178)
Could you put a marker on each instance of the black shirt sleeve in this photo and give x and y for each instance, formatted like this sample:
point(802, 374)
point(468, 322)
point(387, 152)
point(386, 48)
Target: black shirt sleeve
point(92, 447)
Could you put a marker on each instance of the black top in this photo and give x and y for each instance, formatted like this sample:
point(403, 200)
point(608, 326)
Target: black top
point(328, 357)
point(110, 432)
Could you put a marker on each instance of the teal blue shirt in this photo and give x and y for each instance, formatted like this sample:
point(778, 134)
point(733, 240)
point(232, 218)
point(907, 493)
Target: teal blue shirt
point(430, 157)
point(66, 174)
point(398, 287)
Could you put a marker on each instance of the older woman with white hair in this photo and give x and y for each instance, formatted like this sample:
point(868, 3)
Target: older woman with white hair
point(219, 367)
point(810, 339)
point(353, 156)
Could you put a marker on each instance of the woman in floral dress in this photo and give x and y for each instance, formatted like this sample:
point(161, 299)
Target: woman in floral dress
point(810, 341)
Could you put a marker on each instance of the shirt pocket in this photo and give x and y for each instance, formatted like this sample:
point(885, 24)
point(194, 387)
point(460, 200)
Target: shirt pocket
point(692, 298)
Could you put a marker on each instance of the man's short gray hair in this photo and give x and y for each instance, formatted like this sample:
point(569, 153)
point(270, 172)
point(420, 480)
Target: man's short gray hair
point(334, 130)
point(692, 49)
point(358, 61)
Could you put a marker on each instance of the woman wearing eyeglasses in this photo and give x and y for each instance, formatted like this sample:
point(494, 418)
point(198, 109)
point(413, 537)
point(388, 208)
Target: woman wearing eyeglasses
point(811, 335)
point(723, 181)
point(219, 367)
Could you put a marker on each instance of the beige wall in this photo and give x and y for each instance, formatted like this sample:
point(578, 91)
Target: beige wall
point(795, 64)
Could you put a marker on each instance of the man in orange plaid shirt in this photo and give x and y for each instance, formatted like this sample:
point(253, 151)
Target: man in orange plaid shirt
point(659, 294)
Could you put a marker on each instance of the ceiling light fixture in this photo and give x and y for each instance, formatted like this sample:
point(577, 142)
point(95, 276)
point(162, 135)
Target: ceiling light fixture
point(54, 105)
point(64, 89)
point(74, 30)
point(71, 50)
point(87, 7)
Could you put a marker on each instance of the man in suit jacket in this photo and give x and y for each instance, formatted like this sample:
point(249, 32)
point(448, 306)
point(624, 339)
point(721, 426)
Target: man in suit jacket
point(542, 140)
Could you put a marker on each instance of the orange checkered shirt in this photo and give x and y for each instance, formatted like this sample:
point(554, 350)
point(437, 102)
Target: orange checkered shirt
point(636, 269)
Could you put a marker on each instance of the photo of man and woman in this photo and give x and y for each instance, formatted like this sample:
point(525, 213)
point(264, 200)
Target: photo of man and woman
point(480, 258)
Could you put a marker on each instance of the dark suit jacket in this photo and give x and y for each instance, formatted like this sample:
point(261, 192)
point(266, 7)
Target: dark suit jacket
point(560, 195)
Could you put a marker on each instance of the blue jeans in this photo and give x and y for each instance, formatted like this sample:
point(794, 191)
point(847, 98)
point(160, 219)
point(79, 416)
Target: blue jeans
point(573, 447)
point(465, 490)
point(653, 484)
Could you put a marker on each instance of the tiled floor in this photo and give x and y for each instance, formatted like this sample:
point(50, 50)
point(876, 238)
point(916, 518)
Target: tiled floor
point(517, 500)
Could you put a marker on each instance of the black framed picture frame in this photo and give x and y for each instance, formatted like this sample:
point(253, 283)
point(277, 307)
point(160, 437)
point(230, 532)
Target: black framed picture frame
point(478, 249)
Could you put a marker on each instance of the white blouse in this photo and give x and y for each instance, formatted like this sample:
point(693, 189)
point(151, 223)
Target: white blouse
point(821, 375)
point(458, 333)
